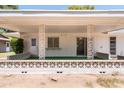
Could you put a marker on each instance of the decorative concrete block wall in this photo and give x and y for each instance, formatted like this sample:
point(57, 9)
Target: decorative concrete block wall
point(61, 66)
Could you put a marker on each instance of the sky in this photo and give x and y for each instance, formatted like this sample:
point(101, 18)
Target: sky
point(64, 7)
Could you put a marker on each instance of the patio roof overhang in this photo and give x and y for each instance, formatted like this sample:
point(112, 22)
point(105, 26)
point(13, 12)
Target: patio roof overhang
point(16, 19)
point(3, 39)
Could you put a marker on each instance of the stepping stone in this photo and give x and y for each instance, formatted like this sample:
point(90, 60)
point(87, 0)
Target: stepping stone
point(54, 78)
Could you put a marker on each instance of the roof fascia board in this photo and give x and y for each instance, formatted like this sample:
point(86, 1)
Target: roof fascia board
point(74, 13)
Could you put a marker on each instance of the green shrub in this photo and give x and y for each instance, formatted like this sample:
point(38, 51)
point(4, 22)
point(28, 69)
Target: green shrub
point(17, 45)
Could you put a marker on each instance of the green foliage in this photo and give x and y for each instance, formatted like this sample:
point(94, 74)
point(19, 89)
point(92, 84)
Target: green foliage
point(78, 7)
point(75, 7)
point(13, 43)
point(4, 30)
point(8, 7)
point(17, 45)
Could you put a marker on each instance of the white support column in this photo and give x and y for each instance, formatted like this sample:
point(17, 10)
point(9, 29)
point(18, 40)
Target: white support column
point(42, 42)
point(90, 54)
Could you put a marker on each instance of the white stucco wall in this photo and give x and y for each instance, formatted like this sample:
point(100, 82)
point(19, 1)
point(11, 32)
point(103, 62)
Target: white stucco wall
point(27, 42)
point(120, 45)
point(101, 43)
point(68, 44)
point(119, 41)
point(67, 40)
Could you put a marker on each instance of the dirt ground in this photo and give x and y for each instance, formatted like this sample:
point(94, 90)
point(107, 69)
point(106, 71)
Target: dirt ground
point(56, 81)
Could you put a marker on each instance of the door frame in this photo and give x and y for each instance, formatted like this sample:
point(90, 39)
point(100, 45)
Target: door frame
point(85, 49)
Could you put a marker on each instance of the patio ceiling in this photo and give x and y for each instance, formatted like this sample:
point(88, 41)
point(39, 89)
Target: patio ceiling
point(23, 21)
point(62, 20)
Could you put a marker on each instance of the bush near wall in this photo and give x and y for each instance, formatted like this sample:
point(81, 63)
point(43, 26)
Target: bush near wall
point(17, 45)
point(100, 55)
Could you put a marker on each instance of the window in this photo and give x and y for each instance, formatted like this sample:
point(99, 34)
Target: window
point(113, 45)
point(53, 42)
point(7, 44)
point(33, 41)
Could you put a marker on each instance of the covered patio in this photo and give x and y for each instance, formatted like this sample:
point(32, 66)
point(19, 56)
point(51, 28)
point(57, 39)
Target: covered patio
point(39, 24)
point(92, 27)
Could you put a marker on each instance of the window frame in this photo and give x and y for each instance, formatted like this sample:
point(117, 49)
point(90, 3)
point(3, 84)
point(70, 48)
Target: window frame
point(33, 43)
point(113, 42)
point(53, 44)
point(7, 44)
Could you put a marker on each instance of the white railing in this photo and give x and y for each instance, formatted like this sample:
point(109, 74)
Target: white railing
point(61, 66)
